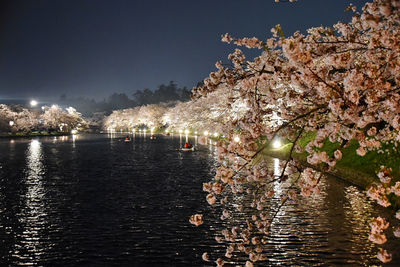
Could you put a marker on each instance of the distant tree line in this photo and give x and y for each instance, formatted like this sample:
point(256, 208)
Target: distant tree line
point(164, 93)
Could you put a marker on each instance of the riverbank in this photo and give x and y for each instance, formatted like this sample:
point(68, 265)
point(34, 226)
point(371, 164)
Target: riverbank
point(33, 134)
point(360, 171)
point(345, 173)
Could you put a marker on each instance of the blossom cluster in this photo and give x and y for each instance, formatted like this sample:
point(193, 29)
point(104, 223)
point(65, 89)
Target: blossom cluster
point(377, 226)
point(341, 82)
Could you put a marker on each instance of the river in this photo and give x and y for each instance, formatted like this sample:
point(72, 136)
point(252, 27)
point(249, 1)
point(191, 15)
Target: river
point(95, 200)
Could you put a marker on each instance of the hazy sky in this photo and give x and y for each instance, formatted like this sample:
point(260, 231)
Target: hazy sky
point(96, 47)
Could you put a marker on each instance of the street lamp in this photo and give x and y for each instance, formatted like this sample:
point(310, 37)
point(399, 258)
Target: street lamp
point(276, 143)
point(33, 103)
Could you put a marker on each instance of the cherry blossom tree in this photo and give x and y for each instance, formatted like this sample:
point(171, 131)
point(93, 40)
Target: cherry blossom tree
point(150, 116)
point(19, 119)
point(7, 117)
point(55, 118)
point(206, 113)
point(341, 82)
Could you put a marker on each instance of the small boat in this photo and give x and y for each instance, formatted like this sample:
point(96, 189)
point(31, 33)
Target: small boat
point(187, 148)
point(128, 139)
point(153, 137)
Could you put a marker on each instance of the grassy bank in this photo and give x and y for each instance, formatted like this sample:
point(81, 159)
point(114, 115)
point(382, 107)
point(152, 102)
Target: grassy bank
point(353, 168)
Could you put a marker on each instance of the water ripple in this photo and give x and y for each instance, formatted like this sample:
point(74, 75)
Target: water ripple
point(96, 200)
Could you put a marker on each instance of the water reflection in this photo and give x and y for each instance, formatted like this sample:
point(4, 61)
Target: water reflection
point(127, 206)
point(277, 169)
point(11, 153)
point(330, 228)
point(32, 217)
point(74, 137)
point(358, 212)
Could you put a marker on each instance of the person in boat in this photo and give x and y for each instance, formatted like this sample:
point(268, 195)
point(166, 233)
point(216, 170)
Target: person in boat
point(127, 138)
point(188, 145)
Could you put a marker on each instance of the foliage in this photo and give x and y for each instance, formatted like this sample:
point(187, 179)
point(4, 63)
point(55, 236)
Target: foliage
point(164, 93)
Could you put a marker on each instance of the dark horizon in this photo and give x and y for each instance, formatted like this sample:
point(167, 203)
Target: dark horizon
point(94, 48)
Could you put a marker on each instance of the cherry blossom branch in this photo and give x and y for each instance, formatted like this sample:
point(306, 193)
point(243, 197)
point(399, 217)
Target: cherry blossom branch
point(291, 153)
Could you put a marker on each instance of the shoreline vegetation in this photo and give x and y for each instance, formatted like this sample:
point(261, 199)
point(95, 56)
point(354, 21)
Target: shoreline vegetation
point(353, 176)
point(357, 170)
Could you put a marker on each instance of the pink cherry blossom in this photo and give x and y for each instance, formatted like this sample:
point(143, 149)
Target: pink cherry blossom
point(384, 256)
point(196, 219)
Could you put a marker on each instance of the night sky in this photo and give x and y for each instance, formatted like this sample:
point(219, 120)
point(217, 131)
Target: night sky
point(96, 47)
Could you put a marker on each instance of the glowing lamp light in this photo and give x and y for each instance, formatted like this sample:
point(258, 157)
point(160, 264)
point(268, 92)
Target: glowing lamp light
point(215, 134)
point(205, 133)
point(11, 123)
point(166, 131)
point(236, 139)
point(195, 133)
point(276, 143)
point(33, 103)
point(180, 131)
point(186, 131)
point(74, 131)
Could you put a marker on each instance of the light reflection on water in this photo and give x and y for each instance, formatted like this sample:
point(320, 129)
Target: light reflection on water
point(330, 228)
point(97, 200)
point(33, 213)
point(277, 169)
point(358, 212)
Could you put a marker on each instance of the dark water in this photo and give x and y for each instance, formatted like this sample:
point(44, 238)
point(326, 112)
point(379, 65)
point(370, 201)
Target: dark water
point(98, 201)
